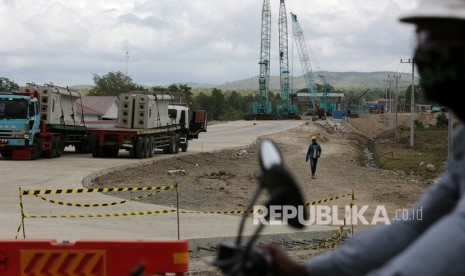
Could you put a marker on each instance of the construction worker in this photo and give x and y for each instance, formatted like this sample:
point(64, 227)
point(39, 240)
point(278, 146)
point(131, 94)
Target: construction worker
point(313, 153)
point(434, 244)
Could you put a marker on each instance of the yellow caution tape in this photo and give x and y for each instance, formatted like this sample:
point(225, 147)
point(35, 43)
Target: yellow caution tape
point(71, 204)
point(95, 190)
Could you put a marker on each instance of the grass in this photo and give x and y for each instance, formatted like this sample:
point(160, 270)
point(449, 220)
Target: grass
point(430, 147)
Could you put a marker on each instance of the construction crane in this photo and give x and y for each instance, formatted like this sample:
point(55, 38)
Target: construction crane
point(285, 109)
point(262, 108)
point(304, 56)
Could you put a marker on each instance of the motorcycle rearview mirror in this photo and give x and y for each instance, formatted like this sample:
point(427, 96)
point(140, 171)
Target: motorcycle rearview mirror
point(269, 155)
point(279, 182)
point(283, 190)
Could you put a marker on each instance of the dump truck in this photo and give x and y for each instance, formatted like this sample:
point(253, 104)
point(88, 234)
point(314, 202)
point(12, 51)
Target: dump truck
point(40, 120)
point(145, 123)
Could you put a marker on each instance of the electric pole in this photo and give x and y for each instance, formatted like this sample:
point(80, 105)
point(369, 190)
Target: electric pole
point(389, 96)
point(396, 77)
point(412, 100)
point(127, 58)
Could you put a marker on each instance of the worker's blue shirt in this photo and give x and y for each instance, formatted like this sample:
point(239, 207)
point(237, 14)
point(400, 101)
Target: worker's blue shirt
point(314, 151)
point(432, 245)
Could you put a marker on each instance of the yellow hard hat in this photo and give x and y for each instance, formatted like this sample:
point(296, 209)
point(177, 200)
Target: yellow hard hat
point(313, 137)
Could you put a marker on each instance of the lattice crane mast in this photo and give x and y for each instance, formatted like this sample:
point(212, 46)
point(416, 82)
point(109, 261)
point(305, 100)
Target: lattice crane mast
point(286, 109)
point(305, 62)
point(263, 106)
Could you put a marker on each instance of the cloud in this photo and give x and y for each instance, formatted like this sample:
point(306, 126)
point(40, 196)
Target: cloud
point(209, 41)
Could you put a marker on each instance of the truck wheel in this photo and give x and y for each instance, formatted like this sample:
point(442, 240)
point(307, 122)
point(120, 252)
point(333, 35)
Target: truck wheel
point(146, 147)
point(177, 143)
point(36, 150)
point(94, 147)
point(173, 144)
point(139, 154)
point(60, 146)
point(151, 146)
point(184, 146)
point(54, 149)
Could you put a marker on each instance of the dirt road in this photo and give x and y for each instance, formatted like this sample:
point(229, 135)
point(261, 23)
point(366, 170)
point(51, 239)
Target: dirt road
point(226, 180)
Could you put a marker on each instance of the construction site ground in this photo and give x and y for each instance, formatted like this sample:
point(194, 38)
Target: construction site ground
point(226, 180)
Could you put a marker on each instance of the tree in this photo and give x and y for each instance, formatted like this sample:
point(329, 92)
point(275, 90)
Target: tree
point(219, 103)
point(6, 85)
point(113, 84)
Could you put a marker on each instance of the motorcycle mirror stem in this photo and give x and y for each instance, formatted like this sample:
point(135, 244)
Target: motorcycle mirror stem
point(269, 156)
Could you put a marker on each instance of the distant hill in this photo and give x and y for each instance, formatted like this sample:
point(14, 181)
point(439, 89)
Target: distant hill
point(339, 80)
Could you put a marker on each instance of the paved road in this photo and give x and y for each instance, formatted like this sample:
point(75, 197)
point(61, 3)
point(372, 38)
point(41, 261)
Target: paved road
point(70, 170)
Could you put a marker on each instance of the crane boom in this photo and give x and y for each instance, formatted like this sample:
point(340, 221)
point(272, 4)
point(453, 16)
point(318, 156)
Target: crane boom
point(304, 60)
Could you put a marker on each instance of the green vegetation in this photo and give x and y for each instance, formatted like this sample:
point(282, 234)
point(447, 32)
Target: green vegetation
point(113, 84)
point(6, 85)
point(430, 147)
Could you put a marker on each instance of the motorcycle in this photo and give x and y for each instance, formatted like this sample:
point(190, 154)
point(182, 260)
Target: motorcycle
point(239, 258)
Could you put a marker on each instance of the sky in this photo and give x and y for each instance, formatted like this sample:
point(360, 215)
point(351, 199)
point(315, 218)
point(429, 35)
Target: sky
point(161, 42)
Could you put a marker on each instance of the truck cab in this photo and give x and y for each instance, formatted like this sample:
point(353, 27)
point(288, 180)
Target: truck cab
point(19, 123)
point(191, 122)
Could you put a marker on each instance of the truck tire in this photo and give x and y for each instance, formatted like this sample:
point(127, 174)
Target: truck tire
point(60, 144)
point(173, 144)
point(178, 144)
point(146, 146)
point(54, 150)
point(36, 149)
point(94, 148)
point(139, 154)
point(184, 146)
point(151, 141)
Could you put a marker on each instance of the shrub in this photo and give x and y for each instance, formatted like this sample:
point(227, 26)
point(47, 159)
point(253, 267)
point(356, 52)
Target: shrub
point(441, 121)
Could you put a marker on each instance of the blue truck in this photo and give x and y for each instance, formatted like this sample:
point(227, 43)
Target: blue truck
point(40, 121)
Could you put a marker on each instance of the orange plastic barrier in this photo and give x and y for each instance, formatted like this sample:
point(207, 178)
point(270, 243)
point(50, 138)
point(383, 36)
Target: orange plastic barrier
point(47, 257)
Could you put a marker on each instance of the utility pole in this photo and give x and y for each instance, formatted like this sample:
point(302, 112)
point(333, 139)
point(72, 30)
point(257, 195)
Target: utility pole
point(385, 106)
point(127, 58)
point(389, 96)
point(412, 100)
point(396, 77)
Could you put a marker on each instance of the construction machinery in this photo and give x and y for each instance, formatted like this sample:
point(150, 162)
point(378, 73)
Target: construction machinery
point(319, 105)
point(353, 110)
point(261, 110)
point(286, 110)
